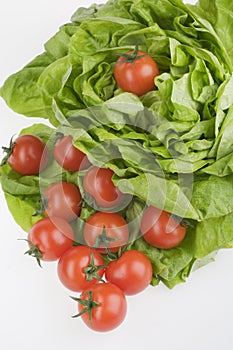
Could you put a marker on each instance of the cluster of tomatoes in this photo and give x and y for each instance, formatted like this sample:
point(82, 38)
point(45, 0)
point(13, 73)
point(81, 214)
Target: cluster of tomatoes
point(100, 268)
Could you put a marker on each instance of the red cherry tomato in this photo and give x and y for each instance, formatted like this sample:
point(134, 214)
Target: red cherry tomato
point(28, 156)
point(106, 231)
point(132, 272)
point(160, 229)
point(135, 72)
point(49, 238)
point(104, 307)
point(68, 156)
point(79, 267)
point(63, 200)
point(98, 183)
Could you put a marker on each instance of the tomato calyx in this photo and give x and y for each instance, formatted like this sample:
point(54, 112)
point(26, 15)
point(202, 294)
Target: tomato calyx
point(181, 221)
point(92, 269)
point(8, 150)
point(57, 136)
point(131, 57)
point(42, 205)
point(34, 251)
point(88, 305)
point(102, 240)
point(113, 256)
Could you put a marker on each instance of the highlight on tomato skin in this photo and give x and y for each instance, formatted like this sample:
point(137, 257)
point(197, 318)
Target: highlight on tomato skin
point(68, 156)
point(98, 184)
point(49, 239)
point(27, 155)
point(160, 229)
point(62, 199)
point(102, 307)
point(132, 272)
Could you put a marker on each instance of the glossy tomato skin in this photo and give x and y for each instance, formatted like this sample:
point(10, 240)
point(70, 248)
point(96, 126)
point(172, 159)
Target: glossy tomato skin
point(137, 76)
point(72, 264)
point(110, 312)
point(111, 224)
point(68, 156)
point(52, 236)
point(98, 183)
point(29, 156)
point(63, 199)
point(132, 272)
point(160, 229)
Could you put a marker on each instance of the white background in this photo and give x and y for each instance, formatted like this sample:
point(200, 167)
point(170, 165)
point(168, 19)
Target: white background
point(35, 310)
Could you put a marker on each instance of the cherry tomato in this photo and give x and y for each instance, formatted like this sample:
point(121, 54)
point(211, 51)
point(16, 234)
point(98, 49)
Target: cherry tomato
point(98, 183)
point(79, 267)
point(49, 238)
point(160, 229)
point(63, 200)
point(106, 231)
point(132, 272)
point(27, 155)
point(68, 156)
point(135, 72)
point(103, 307)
